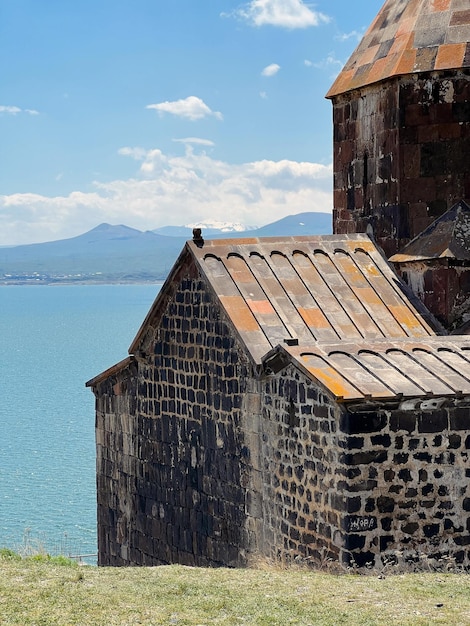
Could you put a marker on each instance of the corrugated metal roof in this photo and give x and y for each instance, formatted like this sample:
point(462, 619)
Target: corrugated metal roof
point(386, 369)
point(332, 306)
point(409, 36)
point(308, 289)
point(446, 238)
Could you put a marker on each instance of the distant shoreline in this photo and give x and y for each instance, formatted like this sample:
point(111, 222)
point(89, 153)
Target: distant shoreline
point(58, 283)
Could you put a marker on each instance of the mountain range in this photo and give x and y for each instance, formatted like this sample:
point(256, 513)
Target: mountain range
point(122, 254)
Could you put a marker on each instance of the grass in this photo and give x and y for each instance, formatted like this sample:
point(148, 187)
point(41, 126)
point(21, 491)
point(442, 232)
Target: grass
point(47, 591)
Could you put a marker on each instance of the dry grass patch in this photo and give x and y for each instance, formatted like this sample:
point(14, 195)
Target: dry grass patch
point(38, 592)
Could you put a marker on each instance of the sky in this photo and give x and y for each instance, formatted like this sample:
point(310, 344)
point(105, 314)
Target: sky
point(167, 112)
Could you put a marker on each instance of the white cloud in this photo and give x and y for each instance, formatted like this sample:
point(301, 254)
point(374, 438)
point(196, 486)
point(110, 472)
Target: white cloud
point(354, 34)
point(263, 95)
point(270, 70)
point(14, 110)
point(172, 190)
point(10, 110)
point(331, 64)
point(308, 63)
point(284, 13)
point(191, 108)
point(196, 141)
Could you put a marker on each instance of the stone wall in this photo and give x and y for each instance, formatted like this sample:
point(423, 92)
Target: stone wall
point(401, 155)
point(116, 464)
point(174, 473)
point(409, 480)
point(443, 286)
point(202, 460)
point(363, 483)
point(302, 474)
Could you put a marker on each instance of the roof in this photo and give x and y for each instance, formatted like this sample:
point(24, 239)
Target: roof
point(446, 238)
point(307, 289)
point(386, 369)
point(406, 37)
point(332, 306)
point(111, 371)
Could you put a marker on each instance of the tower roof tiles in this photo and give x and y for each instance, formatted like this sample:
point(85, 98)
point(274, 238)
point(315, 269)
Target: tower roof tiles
point(406, 37)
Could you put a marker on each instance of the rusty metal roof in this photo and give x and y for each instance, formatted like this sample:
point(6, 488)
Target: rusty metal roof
point(446, 238)
point(409, 36)
point(306, 289)
point(333, 307)
point(386, 369)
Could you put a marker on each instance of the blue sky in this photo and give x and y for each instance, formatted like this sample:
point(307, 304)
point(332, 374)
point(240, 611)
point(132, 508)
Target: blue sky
point(157, 112)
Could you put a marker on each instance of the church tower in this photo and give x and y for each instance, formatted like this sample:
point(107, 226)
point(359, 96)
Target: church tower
point(401, 109)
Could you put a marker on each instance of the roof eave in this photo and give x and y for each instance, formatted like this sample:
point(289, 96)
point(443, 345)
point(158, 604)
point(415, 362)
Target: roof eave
point(111, 371)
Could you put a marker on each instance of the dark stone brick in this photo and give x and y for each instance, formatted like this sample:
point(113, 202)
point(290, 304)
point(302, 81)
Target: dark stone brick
point(365, 457)
point(460, 418)
point(362, 559)
point(410, 528)
point(423, 456)
point(461, 111)
point(353, 504)
point(357, 423)
point(354, 542)
point(355, 442)
point(403, 420)
point(431, 530)
point(385, 504)
point(447, 505)
point(400, 458)
point(427, 504)
point(407, 504)
point(462, 541)
point(466, 504)
point(454, 441)
point(386, 523)
point(381, 440)
point(364, 485)
point(423, 476)
point(433, 422)
point(405, 475)
point(385, 541)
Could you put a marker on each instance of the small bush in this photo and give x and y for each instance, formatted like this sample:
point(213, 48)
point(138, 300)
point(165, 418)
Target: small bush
point(6, 553)
point(54, 560)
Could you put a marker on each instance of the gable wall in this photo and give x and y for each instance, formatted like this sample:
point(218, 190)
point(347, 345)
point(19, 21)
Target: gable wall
point(185, 470)
point(116, 463)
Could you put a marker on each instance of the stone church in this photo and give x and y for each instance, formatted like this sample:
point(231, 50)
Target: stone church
point(303, 397)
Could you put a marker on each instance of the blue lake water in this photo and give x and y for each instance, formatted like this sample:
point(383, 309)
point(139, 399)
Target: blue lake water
point(54, 339)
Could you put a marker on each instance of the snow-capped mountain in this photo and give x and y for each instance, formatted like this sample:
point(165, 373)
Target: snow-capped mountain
point(208, 227)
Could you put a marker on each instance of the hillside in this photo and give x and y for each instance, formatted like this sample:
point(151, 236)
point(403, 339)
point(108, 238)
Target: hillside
point(36, 592)
point(122, 254)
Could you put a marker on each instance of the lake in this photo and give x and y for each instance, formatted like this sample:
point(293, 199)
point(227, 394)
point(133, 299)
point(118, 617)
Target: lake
point(54, 339)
